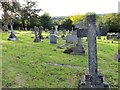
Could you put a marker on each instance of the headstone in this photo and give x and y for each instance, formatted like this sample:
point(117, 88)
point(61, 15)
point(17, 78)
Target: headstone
point(114, 36)
point(56, 29)
point(92, 79)
point(118, 35)
point(25, 28)
point(71, 39)
point(79, 49)
point(37, 38)
point(40, 32)
point(52, 31)
point(19, 28)
point(108, 36)
point(53, 39)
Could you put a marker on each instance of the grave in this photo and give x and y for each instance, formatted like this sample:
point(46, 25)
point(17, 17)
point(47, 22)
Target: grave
point(114, 36)
point(37, 38)
point(92, 80)
point(63, 36)
point(79, 48)
point(108, 36)
point(12, 36)
point(72, 38)
point(40, 32)
point(56, 29)
point(53, 37)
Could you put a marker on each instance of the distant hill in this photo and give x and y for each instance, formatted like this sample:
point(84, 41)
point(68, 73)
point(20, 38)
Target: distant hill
point(59, 17)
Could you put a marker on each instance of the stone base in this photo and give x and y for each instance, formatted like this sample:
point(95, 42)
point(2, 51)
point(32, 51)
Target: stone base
point(37, 39)
point(78, 50)
point(53, 42)
point(12, 37)
point(86, 84)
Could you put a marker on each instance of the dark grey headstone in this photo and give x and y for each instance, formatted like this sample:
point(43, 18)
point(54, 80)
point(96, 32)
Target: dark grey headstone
point(80, 33)
point(53, 39)
point(37, 38)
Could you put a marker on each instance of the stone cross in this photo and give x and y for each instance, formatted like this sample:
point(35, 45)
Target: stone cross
point(56, 29)
point(93, 78)
point(37, 38)
point(92, 47)
point(12, 36)
point(79, 49)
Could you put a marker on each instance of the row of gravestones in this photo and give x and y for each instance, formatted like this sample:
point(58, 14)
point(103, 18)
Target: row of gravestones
point(114, 36)
point(92, 79)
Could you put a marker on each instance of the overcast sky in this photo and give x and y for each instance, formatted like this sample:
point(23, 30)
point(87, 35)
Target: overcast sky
point(70, 7)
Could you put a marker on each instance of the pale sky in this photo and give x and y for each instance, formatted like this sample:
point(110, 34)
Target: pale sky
point(70, 7)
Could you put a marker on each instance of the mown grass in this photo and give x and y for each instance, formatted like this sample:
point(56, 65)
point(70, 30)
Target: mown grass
point(24, 63)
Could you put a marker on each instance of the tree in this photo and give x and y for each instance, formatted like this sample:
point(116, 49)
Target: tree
point(112, 20)
point(76, 18)
point(67, 23)
point(46, 21)
point(9, 9)
point(28, 13)
point(35, 21)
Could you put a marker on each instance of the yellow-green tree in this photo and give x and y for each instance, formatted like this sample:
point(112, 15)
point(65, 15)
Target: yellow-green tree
point(112, 20)
point(76, 18)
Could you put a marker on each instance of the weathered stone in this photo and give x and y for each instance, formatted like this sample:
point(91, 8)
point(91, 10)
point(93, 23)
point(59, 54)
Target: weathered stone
point(79, 49)
point(37, 38)
point(92, 79)
point(53, 39)
point(71, 39)
point(12, 37)
point(108, 36)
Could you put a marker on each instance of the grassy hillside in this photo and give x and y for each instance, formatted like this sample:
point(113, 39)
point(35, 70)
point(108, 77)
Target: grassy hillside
point(29, 64)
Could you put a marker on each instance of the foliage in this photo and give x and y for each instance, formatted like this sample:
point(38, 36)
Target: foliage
point(9, 9)
point(46, 21)
point(76, 18)
point(35, 20)
point(112, 20)
point(67, 23)
point(28, 15)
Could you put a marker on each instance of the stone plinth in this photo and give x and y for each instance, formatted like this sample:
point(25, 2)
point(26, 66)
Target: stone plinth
point(12, 37)
point(86, 82)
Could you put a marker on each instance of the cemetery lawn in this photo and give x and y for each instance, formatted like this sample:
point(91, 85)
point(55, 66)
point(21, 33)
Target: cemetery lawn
point(43, 65)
